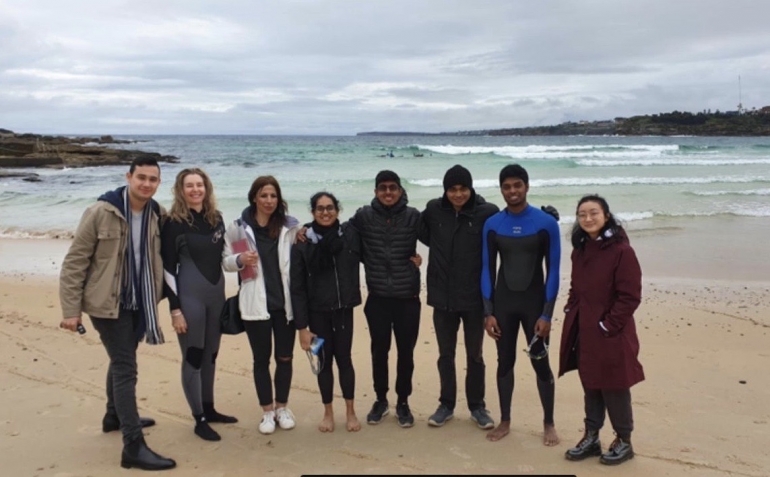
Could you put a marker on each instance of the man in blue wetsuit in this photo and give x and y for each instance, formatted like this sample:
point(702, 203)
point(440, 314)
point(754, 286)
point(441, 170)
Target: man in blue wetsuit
point(520, 295)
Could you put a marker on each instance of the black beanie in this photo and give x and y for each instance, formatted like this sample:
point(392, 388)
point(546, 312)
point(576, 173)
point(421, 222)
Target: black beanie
point(387, 176)
point(457, 175)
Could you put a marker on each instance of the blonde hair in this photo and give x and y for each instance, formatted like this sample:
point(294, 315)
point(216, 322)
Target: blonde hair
point(180, 212)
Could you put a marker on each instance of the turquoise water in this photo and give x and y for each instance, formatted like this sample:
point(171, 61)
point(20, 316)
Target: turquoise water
point(649, 181)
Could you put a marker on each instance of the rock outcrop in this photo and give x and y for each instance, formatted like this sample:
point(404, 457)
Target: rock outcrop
point(34, 150)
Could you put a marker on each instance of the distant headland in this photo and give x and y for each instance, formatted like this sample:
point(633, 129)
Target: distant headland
point(754, 122)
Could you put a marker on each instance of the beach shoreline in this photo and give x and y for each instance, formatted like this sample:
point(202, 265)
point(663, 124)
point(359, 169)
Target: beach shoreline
point(703, 327)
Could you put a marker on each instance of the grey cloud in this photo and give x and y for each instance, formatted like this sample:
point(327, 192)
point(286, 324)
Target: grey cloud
point(326, 67)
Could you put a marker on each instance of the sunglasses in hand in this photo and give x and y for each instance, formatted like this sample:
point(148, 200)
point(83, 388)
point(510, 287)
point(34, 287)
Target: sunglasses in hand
point(540, 353)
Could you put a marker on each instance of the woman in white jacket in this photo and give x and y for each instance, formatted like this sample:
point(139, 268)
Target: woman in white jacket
point(258, 246)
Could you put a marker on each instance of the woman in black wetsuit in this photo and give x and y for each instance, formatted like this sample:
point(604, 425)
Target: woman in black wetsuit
point(192, 238)
point(324, 290)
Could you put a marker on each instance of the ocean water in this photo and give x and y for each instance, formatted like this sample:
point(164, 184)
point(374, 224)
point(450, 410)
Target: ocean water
point(650, 182)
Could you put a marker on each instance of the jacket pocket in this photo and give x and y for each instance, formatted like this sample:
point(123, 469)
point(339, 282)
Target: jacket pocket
point(108, 243)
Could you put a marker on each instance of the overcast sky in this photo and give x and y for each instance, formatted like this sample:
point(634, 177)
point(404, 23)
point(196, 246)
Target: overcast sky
point(340, 67)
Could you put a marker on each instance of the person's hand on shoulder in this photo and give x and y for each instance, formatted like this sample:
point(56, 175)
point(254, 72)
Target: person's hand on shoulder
point(551, 210)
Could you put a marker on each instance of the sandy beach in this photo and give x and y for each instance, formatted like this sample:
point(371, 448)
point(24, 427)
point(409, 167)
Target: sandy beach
point(703, 411)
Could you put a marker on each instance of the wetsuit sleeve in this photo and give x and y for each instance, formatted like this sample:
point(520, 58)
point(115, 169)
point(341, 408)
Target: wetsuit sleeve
point(168, 251)
point(628, 292)
point(74, 268)
point(488, 266)
point(552, 262)
point(298, 288)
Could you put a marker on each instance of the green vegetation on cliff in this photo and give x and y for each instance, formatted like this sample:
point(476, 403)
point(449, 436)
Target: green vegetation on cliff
point(676, 123)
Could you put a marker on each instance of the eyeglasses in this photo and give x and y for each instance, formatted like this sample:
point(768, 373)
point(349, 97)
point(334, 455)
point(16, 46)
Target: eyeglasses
point(539, 354)
point(388, 188)
point(593, 214)
point(321, 209)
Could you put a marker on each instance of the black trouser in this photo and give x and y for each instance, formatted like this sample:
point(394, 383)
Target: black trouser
point(401, 317)
point(336, 328)
point(261, 334)
point(617, 403)
point(446, 325)
point(120, 340)
point(514, 309)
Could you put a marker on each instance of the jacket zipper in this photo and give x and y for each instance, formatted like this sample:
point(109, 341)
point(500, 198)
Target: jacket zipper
point(337, 280)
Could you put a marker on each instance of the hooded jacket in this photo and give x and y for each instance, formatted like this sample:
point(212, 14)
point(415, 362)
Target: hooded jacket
point(454, 263)
point(91, 275)
point(606, 288)
point(389, 240)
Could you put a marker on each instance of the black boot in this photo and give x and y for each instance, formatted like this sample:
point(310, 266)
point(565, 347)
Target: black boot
point(110, 422)
point(588, 446)
point(213, 416)
point(137, 454)
point(620, 451)
point(204, 431)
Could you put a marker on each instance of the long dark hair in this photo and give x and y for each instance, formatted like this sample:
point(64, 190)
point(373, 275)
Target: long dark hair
point(278, 217)
point(579, 236)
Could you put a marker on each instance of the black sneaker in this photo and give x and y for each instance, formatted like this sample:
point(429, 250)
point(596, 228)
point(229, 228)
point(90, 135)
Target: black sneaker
point(482, 419)
point(404, 415)
point(441, 416)
point(379, 410)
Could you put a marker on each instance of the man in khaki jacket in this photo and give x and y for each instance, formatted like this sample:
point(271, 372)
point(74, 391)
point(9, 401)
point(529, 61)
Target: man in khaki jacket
point(113, 272)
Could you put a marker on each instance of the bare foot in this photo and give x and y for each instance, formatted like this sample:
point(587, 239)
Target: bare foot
point(327, 424)
point(550, 438)
point(500, 431)
point(353, 425)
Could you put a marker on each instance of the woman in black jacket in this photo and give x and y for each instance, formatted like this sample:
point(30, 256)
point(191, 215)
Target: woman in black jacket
point(324, 290)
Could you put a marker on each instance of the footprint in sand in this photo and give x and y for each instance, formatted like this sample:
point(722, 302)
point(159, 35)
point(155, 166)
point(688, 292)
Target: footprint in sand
point(458, 452)
point(89, 429)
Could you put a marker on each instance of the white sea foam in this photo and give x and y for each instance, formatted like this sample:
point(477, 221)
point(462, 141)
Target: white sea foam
point(605, 181)
point(20, 233)
point(760, 192)
point(559, 152)
point(623, 216)
point(608, 181)
point(670, 162)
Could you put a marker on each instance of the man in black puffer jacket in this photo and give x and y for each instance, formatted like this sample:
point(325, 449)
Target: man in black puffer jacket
point(451, 226)
point(388, 230)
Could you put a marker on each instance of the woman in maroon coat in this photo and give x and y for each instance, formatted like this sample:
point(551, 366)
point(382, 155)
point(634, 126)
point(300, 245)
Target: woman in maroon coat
point(599, 337)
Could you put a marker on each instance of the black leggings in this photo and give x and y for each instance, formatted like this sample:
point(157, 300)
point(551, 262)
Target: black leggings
point(514, 309)
point(336, 328)
point(260, 334)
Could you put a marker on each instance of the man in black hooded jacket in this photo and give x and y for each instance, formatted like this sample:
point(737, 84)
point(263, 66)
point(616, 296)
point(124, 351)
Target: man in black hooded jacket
point(451, 226)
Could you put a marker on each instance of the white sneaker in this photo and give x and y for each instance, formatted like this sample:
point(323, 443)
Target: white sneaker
point(285, 418)
point(267, 426)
